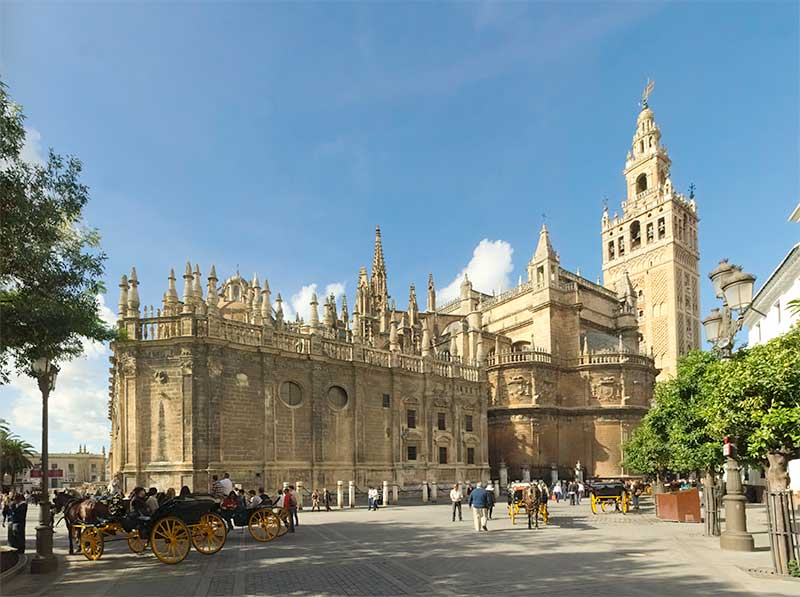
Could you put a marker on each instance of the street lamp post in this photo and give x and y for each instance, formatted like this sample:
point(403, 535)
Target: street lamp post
point(735, 288)
point(44, 561)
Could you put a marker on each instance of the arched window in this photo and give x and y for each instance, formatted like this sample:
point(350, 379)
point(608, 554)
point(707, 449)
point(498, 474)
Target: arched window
point(636, 234)
point(337, 397)
point(291, 394)
point(641, 183)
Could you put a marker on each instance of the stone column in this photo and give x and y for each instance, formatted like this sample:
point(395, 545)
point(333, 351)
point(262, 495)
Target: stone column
point(503, 474)
point(434, 492)
point(497, 489)
point(553, 474)
point(526, 473)
point(299, 486)
point(385, 493)
point(351, 491)
point(735, 536)
point(395, 493)
point(339, 494)
point(424, 492)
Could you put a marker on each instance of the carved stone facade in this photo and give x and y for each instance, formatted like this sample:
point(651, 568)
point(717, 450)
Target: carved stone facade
point(655, 244)
point(546, 374)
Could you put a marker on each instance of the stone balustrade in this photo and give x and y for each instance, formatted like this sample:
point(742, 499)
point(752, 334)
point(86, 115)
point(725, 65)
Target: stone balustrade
point(541, 356)
point(150, 329)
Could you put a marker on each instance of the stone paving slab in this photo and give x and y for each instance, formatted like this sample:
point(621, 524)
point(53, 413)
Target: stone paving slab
point(418, 550)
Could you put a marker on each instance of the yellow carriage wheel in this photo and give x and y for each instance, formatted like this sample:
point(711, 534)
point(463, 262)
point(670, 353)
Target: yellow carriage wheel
point(136, 542)
point(91, 543)
point(594, 503)
point(170, 540)
point(264, 525)
point(208, 536)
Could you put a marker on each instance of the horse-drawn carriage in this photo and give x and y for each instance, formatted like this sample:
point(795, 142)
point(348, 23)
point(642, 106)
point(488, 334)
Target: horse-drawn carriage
point(528, 498)
point(178, 524)
point(607, 492)
point(173, 528)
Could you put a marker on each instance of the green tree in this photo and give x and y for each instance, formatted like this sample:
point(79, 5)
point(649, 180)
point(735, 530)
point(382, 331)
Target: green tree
point(676, 435)
point(50, 262)
point(757, 403)
point(14, 453)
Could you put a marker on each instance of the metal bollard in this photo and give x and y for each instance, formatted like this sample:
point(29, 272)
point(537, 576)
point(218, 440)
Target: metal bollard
point(299, 486)
point(385, 493)
point(434, 492)
point(351, 490)
point(395, 494)
point(424, 492)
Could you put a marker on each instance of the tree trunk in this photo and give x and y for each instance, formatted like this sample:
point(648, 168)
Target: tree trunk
point(779, 511)
point(711, 503)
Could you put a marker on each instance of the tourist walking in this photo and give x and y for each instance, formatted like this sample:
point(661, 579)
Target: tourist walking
point(581, 490)
point(479, 502)
point(455, 499)
point(372, 499)
point(557, 491)
point(315, 500)
point(286, 501)
point(326, 497)
point(572, 493)
point(293, 506)
point(490, 498)
point(16, 523)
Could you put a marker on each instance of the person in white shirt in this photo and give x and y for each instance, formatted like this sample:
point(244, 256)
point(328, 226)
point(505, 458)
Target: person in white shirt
point(557, 491)
point(455, 498)
point(225, 484)
point(581, 491)
point(372, 499)
point(152, 500)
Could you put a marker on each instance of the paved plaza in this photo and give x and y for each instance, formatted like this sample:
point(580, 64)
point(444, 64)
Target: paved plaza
point(416, 549)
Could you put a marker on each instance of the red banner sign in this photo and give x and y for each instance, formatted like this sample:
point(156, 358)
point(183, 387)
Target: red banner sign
point(54, 472)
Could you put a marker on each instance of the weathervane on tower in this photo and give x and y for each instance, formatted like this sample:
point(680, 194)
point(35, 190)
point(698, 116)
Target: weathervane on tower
point(648, 89)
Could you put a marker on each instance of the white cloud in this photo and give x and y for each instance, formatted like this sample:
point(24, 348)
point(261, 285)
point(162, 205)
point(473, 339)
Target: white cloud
point(489, 270)
point(78, 407)
point(300, 302)
point(32, 148)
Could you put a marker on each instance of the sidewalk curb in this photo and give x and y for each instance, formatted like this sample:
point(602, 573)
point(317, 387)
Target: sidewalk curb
point(17, 568)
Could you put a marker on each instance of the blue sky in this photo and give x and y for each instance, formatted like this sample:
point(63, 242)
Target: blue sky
point(275, 136)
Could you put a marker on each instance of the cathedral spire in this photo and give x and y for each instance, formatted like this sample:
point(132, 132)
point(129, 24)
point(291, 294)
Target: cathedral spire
point(431, 306)
point(378, 280)
point(544, 250)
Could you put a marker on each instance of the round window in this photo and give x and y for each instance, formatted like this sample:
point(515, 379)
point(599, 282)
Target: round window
point(337, 397)
point(291, 394)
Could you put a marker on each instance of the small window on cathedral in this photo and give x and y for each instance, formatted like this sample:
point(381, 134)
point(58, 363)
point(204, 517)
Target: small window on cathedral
point(411, 453)
point(621, 245)
point(662, 228)
point(468, 423)
point(641, 183)
point(610, 250)
point(291, 394)
point(411, 418)
point(441, 421)
point(650, 232)
point(636, 234)
point(442, 455)
point(387, 401)
point(470, 455)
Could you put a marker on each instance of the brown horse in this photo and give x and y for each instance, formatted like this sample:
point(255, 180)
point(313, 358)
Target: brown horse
point(77, 509)
point(533, 499)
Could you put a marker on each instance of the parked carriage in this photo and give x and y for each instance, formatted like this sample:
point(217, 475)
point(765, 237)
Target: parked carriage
point(516, 501)
point(178, 524)
point(607, 492)
point(263, 523)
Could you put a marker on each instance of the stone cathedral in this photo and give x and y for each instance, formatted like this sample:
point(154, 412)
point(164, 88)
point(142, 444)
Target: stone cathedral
point(524, 384)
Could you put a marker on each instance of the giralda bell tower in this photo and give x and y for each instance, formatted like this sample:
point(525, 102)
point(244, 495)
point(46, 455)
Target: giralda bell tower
point(655, 242)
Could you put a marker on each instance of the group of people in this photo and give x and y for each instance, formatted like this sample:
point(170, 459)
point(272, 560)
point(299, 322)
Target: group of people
point(480, 501)
point(235, 498)
point(15, 511)
point(574, 491)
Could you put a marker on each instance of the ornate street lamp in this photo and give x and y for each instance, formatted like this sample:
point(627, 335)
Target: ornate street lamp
point(44, 561)
point(735, 288)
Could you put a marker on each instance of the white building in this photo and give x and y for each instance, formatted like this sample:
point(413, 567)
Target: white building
point(769, 316)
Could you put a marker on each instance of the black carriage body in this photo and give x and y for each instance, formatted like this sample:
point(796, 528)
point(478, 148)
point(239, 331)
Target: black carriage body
point(608, 489)
point(188, 509)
